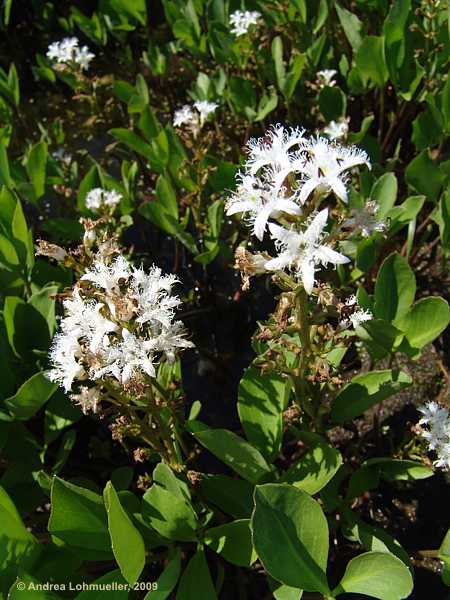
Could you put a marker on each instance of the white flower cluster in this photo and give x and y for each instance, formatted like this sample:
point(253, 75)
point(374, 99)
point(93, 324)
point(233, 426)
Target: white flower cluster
point(99, 199)
point(325, 78)
point(359, 316)
point(437, 432)
point(194, 116)
point(241, 21)
point(283, 171)
point(68, 51)
point(336, 130)
point(117, 326)
point(364, 220)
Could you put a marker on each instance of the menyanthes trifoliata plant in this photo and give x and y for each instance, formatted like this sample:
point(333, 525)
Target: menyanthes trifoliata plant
point(293, 192)
point(118, 328)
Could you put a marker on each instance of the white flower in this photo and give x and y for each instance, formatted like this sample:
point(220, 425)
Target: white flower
point(170, 339)
point(88, 399)
point(63, 51)
point(185, 116)
point(437, 433)
point(68, 51)
point(98, 198)
point(241, 21)
point(302, 252)
point(325, 78)
point(261, 198)
point(124, 359)
point(83, 57)
point(109, 277)
point(336, 130)
point(324, 168)
point(205, 108)
point(364, 220)
point(358, 317)
point(152, 292)
point(274, 149)
point(64, 355)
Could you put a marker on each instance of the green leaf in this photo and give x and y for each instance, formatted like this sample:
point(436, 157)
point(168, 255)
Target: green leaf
point(316, 468)
point(166, 196)
point(277, 55)
point(26, 327)
point(242, 94)
point(169, 513)
point(332, 103)
point(365, 391)
point(113, 577)
point(168, 579)
point(444, 555)
point(78, 517)
point(368, 475)
point(404, 214)
point(290, 536)
point(395, 36)
point(445, 104)
point(44, 303)
point(196, 580)
point(425, 321)
point(133, 141)
point(126, 541)
point(384, 192)
point(36, 167)
point(17, 544)
point(31, 395)
point(232, 496)
point(233, 451)
point(424, 175)
point(30, 586)
point(352, 26)
point(377, 575)
point(371, 62)
point(297, 65)
point(233, 541)
point(5, 174)
point(395, 289)
point(261, 401)
point(266, 105)
point(373, 539)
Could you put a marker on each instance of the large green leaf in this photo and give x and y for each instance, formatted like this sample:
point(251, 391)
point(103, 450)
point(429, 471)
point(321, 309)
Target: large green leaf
point(36, 167)
point(232, 496)
point(261, 401)
point(395, 289)
point(126, 541)
point(113, 577)
point(233, 541)
point(425, 321)
point(168, 579)
point(424, 175)
point(290, 536)
point(371, 62)
point(233, 451)
point(366, 390)
point(78, 517)
point(17, 544)
point(169, 513)
point(384, 192)
point(31, 395)
point(352, 26)
point(314, 470)
point(196, 580)
point(377, 575)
